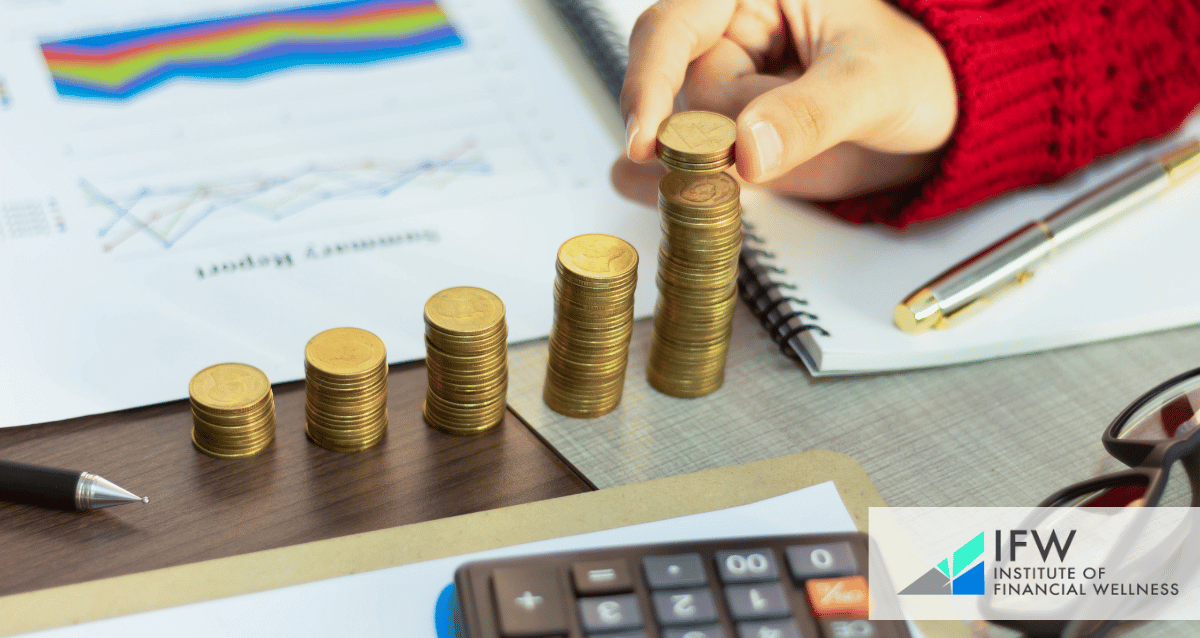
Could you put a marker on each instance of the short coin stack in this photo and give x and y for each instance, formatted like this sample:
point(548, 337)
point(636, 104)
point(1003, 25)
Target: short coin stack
point(233, 411)
point(466, 347)
point(698, 256)
point(345, 374)
point(593, 323)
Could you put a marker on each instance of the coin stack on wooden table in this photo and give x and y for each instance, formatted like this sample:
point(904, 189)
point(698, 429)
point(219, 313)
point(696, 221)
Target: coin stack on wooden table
point(466, 348)
point(345, 375)
point(698, 255)
point(593, 324)
point(233, 411)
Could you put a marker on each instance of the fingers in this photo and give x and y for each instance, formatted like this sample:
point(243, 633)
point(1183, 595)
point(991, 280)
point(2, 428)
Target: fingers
point(724, 80)
point(844, 170)
point(832, 102)
point(666, 38)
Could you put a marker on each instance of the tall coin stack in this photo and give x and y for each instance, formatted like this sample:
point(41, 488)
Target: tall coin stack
point(593, 323)
point(233, 411)
point(345, 375)
point(698, 255)
point(466, 348)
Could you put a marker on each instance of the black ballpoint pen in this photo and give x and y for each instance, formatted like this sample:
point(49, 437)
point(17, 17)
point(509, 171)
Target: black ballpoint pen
point(60, 489)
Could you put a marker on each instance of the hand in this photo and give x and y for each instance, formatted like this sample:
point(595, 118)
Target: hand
point(831, 97)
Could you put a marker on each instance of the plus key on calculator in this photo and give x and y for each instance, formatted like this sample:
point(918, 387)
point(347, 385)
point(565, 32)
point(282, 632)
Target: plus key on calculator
point(803, 586)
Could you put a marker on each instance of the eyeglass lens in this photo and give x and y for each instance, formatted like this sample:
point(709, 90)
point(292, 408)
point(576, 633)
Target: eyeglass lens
point(1172, 413)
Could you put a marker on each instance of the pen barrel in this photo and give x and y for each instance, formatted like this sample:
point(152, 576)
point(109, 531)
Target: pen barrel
point(999, 267)
point(1104, 205)
point(36, 485)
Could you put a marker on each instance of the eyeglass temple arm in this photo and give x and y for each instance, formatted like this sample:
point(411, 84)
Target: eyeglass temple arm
point(1191, 465)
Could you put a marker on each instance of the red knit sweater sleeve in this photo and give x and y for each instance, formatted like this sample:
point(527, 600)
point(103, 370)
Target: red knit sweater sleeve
point(1045, 87)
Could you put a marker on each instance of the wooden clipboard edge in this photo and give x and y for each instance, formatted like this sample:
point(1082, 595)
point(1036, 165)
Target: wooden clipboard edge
point(653, 500)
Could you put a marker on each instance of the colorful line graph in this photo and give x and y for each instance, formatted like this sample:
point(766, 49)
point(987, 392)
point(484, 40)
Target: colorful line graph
point(167, 214)
point(119, 66)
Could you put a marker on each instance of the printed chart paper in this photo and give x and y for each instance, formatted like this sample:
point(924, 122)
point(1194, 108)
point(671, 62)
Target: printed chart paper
point(188, 184)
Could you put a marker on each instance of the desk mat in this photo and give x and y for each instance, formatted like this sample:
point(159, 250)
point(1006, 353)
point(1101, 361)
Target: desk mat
point(604, 509)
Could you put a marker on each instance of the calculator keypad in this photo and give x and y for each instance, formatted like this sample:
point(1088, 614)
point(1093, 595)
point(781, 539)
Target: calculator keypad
point(806, 586)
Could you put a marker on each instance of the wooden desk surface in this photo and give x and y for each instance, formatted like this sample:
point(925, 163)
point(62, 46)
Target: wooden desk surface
point(294, 492)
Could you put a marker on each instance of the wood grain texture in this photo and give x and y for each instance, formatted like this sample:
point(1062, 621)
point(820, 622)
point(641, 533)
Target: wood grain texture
point(294, 492)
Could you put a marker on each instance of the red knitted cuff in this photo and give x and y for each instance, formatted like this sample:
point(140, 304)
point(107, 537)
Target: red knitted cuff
point(1045, 86)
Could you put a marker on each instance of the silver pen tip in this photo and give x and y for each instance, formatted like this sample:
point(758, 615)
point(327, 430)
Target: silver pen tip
point(145, 499)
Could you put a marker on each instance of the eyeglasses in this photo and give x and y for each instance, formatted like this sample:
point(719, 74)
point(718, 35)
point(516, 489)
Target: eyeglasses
point(1150, 436)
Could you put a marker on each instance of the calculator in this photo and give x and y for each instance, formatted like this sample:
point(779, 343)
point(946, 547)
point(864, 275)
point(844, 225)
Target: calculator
point(800, 586)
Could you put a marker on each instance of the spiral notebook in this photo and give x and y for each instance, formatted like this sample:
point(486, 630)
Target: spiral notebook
point(825, 290)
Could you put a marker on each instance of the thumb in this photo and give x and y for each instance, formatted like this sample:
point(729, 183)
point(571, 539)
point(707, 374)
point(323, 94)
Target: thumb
point(835, 100)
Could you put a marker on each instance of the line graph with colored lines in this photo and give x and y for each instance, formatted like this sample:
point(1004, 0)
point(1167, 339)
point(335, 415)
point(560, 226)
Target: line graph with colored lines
point(119, 66)
point(166, 215)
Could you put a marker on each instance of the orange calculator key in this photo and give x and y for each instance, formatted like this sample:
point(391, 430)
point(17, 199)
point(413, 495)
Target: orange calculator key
point(845, 596)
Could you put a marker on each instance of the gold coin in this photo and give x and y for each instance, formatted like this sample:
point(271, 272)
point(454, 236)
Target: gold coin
point(342, 352)
point(464, 310)
point(598, 257)
point(239, 454)
point(697, 136)
point(463, 427)
point(233, 420)
point(689, 168)
point(699, 194)
point(229, 387)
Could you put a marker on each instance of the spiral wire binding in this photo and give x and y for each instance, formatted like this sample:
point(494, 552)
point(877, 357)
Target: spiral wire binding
point(768, 300)
point(600, 39)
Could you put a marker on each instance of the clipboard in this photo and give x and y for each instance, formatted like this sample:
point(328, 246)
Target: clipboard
point(658, 499)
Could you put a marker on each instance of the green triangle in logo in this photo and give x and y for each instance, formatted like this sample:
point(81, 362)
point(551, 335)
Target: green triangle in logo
point(965, 555)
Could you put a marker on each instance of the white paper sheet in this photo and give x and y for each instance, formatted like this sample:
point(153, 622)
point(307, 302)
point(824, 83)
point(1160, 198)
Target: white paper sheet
point(400, 601)
point(202, 221)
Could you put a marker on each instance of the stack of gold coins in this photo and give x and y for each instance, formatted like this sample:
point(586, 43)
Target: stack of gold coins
point(593, 323)
point(466, 347)
point(345, 375)
point(233, 411)
point(698, 255)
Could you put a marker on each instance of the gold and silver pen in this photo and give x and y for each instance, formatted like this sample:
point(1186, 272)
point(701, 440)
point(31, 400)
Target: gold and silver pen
point(1000, 268)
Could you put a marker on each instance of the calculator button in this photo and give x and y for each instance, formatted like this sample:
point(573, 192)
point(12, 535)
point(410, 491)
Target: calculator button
point(678, 570)
point(610, 612)
point(602, 577)
point(529, 601)
point(711, 631)
point(684, 606)
point(770, 629)
point(857, 628)
point(757, 601)
point(747, 565)
point(839, 596)
point(821, 561)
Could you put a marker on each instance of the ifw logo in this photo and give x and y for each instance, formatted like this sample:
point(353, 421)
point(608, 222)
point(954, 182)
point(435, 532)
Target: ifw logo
point(960, 575)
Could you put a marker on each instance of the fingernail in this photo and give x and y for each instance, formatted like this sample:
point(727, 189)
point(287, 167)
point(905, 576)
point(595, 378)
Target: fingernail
point(768, 144)
point(631, 129)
